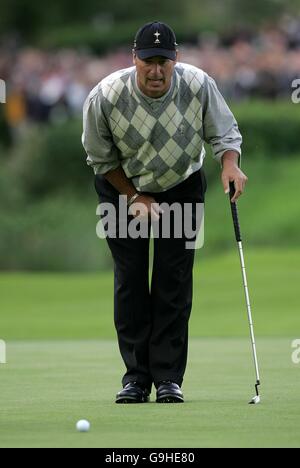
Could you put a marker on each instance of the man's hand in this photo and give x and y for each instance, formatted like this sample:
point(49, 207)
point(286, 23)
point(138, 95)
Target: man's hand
point(145, 206)
point(232, 173)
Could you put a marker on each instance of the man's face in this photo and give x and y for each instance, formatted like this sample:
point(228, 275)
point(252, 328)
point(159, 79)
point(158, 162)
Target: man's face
point(154, 75)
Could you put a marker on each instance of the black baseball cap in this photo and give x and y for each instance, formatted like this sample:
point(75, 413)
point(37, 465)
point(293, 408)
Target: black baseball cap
point(155, 39)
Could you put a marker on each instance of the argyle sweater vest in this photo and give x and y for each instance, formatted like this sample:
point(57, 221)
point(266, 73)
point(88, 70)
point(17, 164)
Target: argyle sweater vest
point(159, 143)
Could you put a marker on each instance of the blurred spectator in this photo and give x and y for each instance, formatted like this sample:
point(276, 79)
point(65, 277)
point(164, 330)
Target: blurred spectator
point(52, 86)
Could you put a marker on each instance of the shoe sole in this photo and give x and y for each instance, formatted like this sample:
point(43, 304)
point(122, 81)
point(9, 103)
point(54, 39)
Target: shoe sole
point(170, 399)
point(129, 400)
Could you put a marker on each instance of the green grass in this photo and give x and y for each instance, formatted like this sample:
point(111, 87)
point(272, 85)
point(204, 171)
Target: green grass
point(64, 364)
point(269, 210)
point(80, 306)
point(47, 386)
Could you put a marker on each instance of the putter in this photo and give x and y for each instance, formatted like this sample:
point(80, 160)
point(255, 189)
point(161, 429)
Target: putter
point(255, 400)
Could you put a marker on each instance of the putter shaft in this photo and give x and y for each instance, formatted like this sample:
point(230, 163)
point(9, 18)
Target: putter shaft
point(247, 297)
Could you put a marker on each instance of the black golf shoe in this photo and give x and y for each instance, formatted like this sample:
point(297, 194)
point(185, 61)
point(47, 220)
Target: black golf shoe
point(133, 393)
point(169, 392)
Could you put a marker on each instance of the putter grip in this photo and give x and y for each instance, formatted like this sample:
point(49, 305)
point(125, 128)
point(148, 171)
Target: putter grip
point(234, 214)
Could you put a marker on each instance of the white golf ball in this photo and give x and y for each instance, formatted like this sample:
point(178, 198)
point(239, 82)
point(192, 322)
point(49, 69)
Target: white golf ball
point(83, 426)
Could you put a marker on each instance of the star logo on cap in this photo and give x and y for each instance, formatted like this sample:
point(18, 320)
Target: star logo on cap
point(157, 34)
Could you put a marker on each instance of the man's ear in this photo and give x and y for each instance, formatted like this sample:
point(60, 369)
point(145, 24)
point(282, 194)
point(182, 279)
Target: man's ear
point(134, 56)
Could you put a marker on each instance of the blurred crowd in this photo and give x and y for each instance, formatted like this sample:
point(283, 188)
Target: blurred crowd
point(45, 86)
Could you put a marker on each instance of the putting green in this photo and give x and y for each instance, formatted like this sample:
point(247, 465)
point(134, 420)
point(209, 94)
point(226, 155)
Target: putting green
point(57, 374)
point(47, 386)
point(80, 306)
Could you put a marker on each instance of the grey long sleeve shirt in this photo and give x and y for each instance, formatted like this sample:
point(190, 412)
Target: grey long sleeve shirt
point(158, 142)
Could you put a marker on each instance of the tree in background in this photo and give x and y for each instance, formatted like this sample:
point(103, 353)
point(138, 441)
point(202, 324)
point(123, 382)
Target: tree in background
point(65, 21)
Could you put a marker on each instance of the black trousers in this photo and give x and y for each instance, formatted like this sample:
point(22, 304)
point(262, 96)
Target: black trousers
point(152, 320)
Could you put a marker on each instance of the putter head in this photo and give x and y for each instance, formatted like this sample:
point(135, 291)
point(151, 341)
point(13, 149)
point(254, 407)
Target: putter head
point(255, 400)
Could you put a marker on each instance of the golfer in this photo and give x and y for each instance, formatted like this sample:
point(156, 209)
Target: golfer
point(144, 133)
